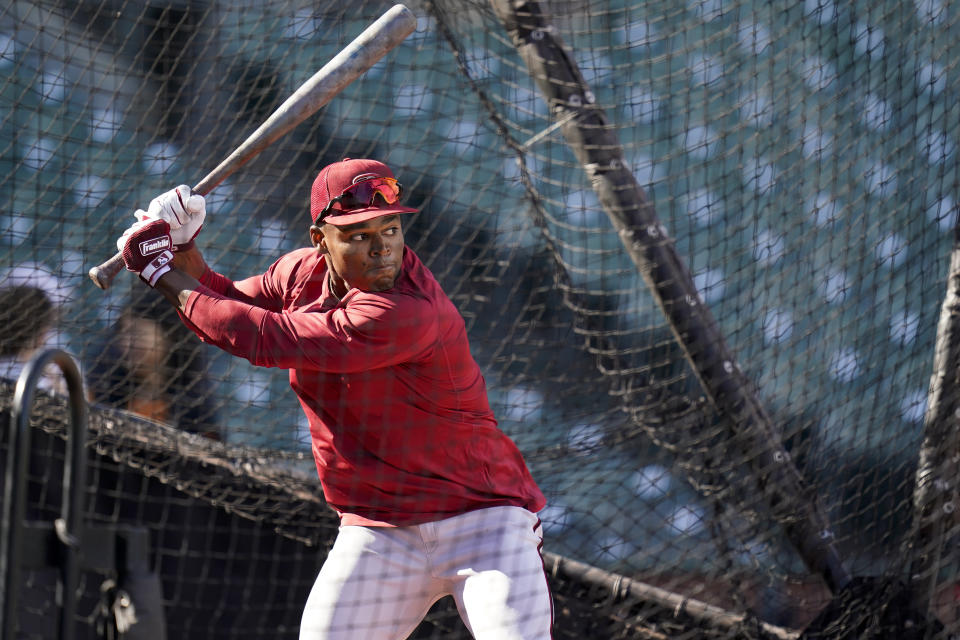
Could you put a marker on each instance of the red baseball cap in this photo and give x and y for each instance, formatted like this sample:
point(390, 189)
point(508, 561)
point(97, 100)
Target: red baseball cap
point(334, 179)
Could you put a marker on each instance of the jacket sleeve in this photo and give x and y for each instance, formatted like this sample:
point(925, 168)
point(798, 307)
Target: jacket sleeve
point(372, 330)
point(259, 291)
point(265, 291)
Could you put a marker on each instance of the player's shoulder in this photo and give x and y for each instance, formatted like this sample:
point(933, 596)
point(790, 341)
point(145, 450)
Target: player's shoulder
point(301, 255)
point(290, 271)
point(298, 261)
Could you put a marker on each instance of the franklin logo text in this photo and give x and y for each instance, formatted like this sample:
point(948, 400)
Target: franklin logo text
point(154, 245)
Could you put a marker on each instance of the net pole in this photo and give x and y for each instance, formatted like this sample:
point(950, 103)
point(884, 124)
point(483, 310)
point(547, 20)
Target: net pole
point(621, 587)
point(584, 125)
point(936, 495)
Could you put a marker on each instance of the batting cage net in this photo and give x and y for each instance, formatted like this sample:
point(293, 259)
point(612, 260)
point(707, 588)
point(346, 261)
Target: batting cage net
point(703, 253)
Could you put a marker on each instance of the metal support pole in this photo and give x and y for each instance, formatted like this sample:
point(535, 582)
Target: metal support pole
point(936, 494)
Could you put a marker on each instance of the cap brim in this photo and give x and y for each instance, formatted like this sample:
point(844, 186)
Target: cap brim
point(362, 215)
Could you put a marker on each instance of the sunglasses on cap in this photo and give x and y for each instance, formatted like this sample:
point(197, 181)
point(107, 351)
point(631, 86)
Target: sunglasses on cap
point(364, 194)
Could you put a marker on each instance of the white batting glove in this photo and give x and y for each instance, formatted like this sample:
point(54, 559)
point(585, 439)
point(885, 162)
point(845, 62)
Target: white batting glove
point(182, 210)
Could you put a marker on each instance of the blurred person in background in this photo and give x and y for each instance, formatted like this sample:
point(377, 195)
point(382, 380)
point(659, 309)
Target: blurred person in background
point(28, 318)
point(151, 365)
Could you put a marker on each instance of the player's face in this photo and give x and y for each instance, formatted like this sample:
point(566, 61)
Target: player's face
point(366, 255)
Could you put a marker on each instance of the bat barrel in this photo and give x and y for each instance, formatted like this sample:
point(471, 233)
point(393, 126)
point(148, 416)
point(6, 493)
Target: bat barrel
point(350, 63)
point(373, 43)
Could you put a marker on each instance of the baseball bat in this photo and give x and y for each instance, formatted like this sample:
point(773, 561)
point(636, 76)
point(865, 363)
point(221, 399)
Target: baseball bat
point(373, 43)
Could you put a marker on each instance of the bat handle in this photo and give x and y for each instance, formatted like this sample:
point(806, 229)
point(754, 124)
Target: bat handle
point(103, 274)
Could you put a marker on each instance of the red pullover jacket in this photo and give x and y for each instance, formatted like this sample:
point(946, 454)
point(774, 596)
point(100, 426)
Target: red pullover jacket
point(401, 426)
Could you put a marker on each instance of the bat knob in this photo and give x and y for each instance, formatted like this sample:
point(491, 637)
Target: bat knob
point(103, 274)
point(96, 274)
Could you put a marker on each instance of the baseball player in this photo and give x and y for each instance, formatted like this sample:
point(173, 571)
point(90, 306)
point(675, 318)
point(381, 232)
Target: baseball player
point(433, 498)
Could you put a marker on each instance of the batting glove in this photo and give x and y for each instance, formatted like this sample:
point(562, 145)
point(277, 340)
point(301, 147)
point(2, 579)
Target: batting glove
point(145, 248)
point(183, 210)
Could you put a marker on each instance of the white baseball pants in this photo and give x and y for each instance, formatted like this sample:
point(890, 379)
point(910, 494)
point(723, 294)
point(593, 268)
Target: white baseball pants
point(378, 583)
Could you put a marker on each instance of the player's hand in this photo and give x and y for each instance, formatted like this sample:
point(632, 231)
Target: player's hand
point(145, 248)
point(182, 210)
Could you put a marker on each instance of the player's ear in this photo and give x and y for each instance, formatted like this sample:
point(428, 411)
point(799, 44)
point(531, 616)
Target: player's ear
point(317, 237)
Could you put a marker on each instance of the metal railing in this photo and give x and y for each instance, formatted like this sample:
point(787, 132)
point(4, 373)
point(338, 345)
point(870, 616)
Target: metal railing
point(68, 527)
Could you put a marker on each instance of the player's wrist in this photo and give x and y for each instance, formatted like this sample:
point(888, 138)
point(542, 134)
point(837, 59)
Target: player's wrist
point(176, 286)
point(189, 260)
point(157, 268)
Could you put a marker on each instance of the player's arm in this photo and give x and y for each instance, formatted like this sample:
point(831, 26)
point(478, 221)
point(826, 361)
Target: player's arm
point(176, 286)
point(191, 263)
point(374, 330)
point(185, 211)
point(168, 260)
point(377, 330)
point(146, 250)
